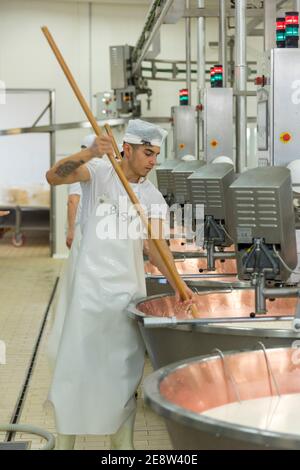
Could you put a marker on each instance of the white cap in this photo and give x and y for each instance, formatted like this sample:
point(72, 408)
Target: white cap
point(143, 132)
point(294, 167)
point(223, 159)
point(188, 158)
point(88, 140)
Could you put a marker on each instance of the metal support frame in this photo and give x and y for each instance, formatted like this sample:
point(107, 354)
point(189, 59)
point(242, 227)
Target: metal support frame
point(155, 68)
point(241, 86)
point(223, 40)
point(297, 5)
point(188, 52)
point(42, 114)
point(64, 126)
point(256, 13)
point(270, 9)
point(256, 21)
point(200, 75)
point(149, 34)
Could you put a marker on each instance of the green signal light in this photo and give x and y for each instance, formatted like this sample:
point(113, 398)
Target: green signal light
point(218, 77)
point(280, 36)
point(292, 31)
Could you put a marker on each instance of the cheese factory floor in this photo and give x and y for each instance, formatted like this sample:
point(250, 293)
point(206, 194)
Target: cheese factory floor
point(27, 281)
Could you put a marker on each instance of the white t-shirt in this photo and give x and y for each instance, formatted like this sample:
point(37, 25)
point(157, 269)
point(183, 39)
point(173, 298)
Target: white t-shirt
point(105, 182)
point(75, 188)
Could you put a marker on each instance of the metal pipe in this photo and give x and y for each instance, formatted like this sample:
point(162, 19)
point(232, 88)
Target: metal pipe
point(180, 256)
point(152, 34)
point(90, 55)
point(297, 5)
point(67, 126)
point(41, 114)
point(296, 322)
point(281, 292)
point(269, 22)
point(29, 429)
point(224, 254)
point(260, 299)
point(223, 40)
point(200, 74)
point(241, 86)
point(210, 256)
point(192, 276)
point(161, 322)
point(200, 51)
point(188, 52)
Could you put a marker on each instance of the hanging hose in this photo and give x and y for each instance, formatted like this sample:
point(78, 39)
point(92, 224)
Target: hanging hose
point(283, 262)
point(26, 428)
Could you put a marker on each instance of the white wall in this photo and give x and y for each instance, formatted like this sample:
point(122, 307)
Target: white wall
point(24, 158)
point(26, 60)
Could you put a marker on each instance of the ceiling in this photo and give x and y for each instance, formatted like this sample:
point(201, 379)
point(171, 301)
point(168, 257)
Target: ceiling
point(120, 2)
point(208, 3)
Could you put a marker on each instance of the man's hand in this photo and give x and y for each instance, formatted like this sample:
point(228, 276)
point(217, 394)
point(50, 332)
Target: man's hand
point(102, 146)
point(3, 213)
point(189, 294)
point(70, 237)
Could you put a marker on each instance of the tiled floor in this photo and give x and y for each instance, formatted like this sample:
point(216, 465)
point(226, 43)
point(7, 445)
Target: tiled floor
point(27, 277)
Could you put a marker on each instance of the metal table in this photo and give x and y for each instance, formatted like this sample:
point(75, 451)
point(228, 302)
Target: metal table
point(22, 218)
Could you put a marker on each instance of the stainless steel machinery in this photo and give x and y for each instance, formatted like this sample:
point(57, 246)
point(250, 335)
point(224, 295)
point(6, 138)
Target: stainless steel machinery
point(261, 221)
point(217, 114)
point(184, 130)
point(180, 176)
point(208, 187)
point(165, 180)
point(106, 105)
point(125, 85)
point(278, 111)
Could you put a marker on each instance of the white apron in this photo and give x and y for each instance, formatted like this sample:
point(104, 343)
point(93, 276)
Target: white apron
point(101, 354)
point(64, 296)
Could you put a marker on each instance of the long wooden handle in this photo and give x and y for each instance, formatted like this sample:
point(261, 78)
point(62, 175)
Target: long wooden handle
point(173, 272)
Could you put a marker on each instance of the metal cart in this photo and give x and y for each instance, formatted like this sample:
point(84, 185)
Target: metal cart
point(22, 218)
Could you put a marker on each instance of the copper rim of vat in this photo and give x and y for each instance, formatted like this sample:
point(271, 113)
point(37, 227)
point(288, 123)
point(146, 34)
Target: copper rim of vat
point(171, 390)
point(223, 303)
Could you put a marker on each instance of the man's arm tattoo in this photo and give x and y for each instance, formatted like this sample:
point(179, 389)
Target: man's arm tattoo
point(65, 169)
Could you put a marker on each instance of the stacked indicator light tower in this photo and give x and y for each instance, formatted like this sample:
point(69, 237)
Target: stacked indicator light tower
point(280, 32)
point(216, 76)
point(183, 97)
point(287, 30)
point(291, 29)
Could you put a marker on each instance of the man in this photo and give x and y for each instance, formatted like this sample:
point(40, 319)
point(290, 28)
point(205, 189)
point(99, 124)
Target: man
point(74, 195)
point(73, 238)
point(3, 213)
point(74, 198)
point(101, 354)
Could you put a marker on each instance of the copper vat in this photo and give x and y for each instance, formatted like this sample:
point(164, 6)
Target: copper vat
point(223, 322)
point(184, 391)
point(189, 269)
